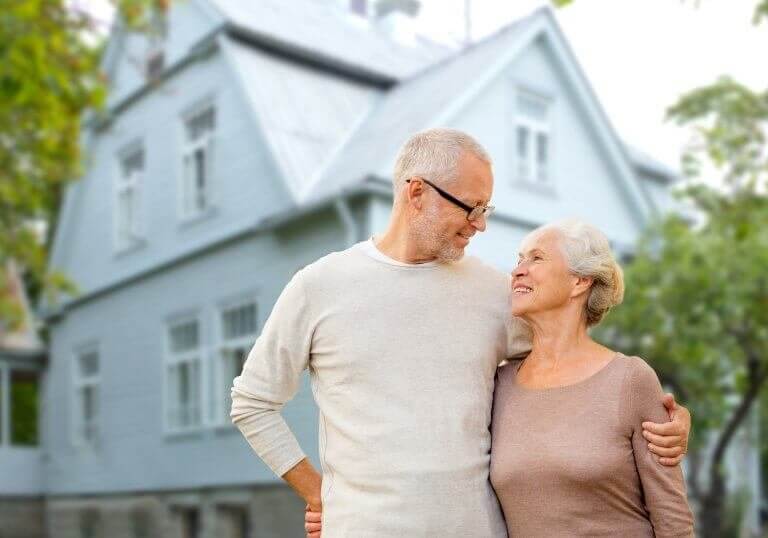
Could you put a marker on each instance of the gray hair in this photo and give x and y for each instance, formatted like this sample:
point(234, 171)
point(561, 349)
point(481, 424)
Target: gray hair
point(588, 254)
point(434, 155)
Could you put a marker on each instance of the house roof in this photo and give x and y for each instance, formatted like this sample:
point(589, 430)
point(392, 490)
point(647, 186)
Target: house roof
point(322, 29)
point(413, 105)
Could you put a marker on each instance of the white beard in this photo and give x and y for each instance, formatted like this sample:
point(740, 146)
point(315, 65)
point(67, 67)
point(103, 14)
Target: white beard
point(430, 240)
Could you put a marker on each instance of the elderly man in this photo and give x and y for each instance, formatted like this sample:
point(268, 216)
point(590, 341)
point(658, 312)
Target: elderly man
point(402, 335)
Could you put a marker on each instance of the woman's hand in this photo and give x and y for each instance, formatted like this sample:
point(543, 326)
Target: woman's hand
point(669, 441)
point(312, 522)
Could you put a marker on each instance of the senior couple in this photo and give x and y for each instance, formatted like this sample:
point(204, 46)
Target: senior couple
point(422, 432)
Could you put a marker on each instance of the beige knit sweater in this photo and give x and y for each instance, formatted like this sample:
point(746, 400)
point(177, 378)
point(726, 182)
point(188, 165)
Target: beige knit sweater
point(572, 461)
point(402, 361)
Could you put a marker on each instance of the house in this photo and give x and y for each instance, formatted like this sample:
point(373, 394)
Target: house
point(243, 141)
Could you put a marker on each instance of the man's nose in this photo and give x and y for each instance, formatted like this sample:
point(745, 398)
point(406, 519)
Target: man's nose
point(479, 224)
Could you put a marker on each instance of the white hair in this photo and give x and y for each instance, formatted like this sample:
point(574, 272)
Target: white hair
point(588, 254)
point(434, 155)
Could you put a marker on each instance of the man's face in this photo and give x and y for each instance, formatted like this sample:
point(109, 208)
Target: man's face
point(442, 227)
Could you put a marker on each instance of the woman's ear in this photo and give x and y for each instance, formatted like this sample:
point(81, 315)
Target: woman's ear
point(583, 284)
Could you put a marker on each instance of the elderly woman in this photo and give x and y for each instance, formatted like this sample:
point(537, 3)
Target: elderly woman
point(568, 457)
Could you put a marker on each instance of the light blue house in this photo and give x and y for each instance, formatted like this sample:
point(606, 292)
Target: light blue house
point(245, 140)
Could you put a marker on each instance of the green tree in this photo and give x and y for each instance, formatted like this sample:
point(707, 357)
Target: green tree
point(49, 78)
point(697, 299)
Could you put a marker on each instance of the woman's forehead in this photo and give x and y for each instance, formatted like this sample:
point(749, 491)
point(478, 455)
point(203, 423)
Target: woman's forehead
point(539, 239)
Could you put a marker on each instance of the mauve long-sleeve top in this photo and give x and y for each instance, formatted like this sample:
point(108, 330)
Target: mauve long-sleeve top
point(572, 460)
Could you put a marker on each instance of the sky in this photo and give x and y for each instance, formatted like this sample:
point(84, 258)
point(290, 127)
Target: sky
point(639, 55)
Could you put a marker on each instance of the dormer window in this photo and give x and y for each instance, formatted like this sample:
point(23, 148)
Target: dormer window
point(533, 139)
point(154, 59)
point(196, 188)
point(155, 63)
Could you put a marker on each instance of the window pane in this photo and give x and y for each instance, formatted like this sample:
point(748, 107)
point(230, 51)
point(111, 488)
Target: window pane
point(184, 394)
point(523, 144)
point(141, 524)
point(132, 164)
point(184, 336)
point(531, 107)
point(24, 407)
point(190, 524)
point(201, 124)
point(88, 364)
point(89, 524)
point(232, 522)
point(199, 180)
point(542, 156)
point(232, 360)
point(240, 321)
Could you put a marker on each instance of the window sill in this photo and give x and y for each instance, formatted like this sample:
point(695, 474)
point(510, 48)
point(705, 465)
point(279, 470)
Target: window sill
point(124, 250)
point(544, 189)
point(191, 220)
point(185, 434)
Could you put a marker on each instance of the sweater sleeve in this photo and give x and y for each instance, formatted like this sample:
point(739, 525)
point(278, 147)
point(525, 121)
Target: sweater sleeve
point(663, 487)
point(519, 338)
point(271, 377)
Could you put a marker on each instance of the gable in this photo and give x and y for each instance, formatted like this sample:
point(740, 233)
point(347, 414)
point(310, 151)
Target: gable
point(125, 60)
point(581, 173)
point(442, 94)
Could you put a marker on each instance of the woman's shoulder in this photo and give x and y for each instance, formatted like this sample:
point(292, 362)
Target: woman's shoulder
point(639, 372)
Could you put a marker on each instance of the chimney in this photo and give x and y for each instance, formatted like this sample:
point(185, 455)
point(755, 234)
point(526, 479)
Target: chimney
point(397, 19)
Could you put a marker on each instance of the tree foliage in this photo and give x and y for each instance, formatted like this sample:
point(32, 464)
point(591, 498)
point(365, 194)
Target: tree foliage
point(49, 78)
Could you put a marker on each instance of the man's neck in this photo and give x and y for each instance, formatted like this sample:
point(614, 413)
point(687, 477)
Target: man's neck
point(398, 244)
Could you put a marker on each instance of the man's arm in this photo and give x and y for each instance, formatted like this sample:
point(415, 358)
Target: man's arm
point(270, 378)
point(669, 440)
point(306, 481)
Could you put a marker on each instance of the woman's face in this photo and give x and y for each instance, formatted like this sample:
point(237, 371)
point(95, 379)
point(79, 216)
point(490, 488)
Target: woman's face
point(541, 281)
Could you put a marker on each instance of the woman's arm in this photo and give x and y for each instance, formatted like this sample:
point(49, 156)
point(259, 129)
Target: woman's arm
point(663, 486)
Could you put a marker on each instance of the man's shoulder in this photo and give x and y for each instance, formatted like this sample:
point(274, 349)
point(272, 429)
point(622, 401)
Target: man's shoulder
point(332, 264)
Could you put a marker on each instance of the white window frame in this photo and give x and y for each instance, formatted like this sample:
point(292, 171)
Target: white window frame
point(81, 382)
point(128, 184)
point(535, 127)
point(174, 359)
point(219, 414)
point(187, 209)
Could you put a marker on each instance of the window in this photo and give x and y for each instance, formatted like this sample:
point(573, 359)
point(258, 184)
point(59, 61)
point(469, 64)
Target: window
point(532, 139)
point(232, 522)
point(189, 522)
point(238, 331)
point(183, 376)
point(24, 405)
point(197, 162)
point(127, 194)
point(140, 523)
point(86, 399)
point(89, 524)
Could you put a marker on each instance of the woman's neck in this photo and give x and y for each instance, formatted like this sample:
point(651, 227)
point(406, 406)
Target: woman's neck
point(559, 337)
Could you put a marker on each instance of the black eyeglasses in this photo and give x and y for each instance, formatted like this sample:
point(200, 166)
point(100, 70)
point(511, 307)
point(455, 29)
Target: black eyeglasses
point(473, 213)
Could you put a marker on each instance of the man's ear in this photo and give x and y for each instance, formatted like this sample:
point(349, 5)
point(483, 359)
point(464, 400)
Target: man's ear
point(415, 194)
